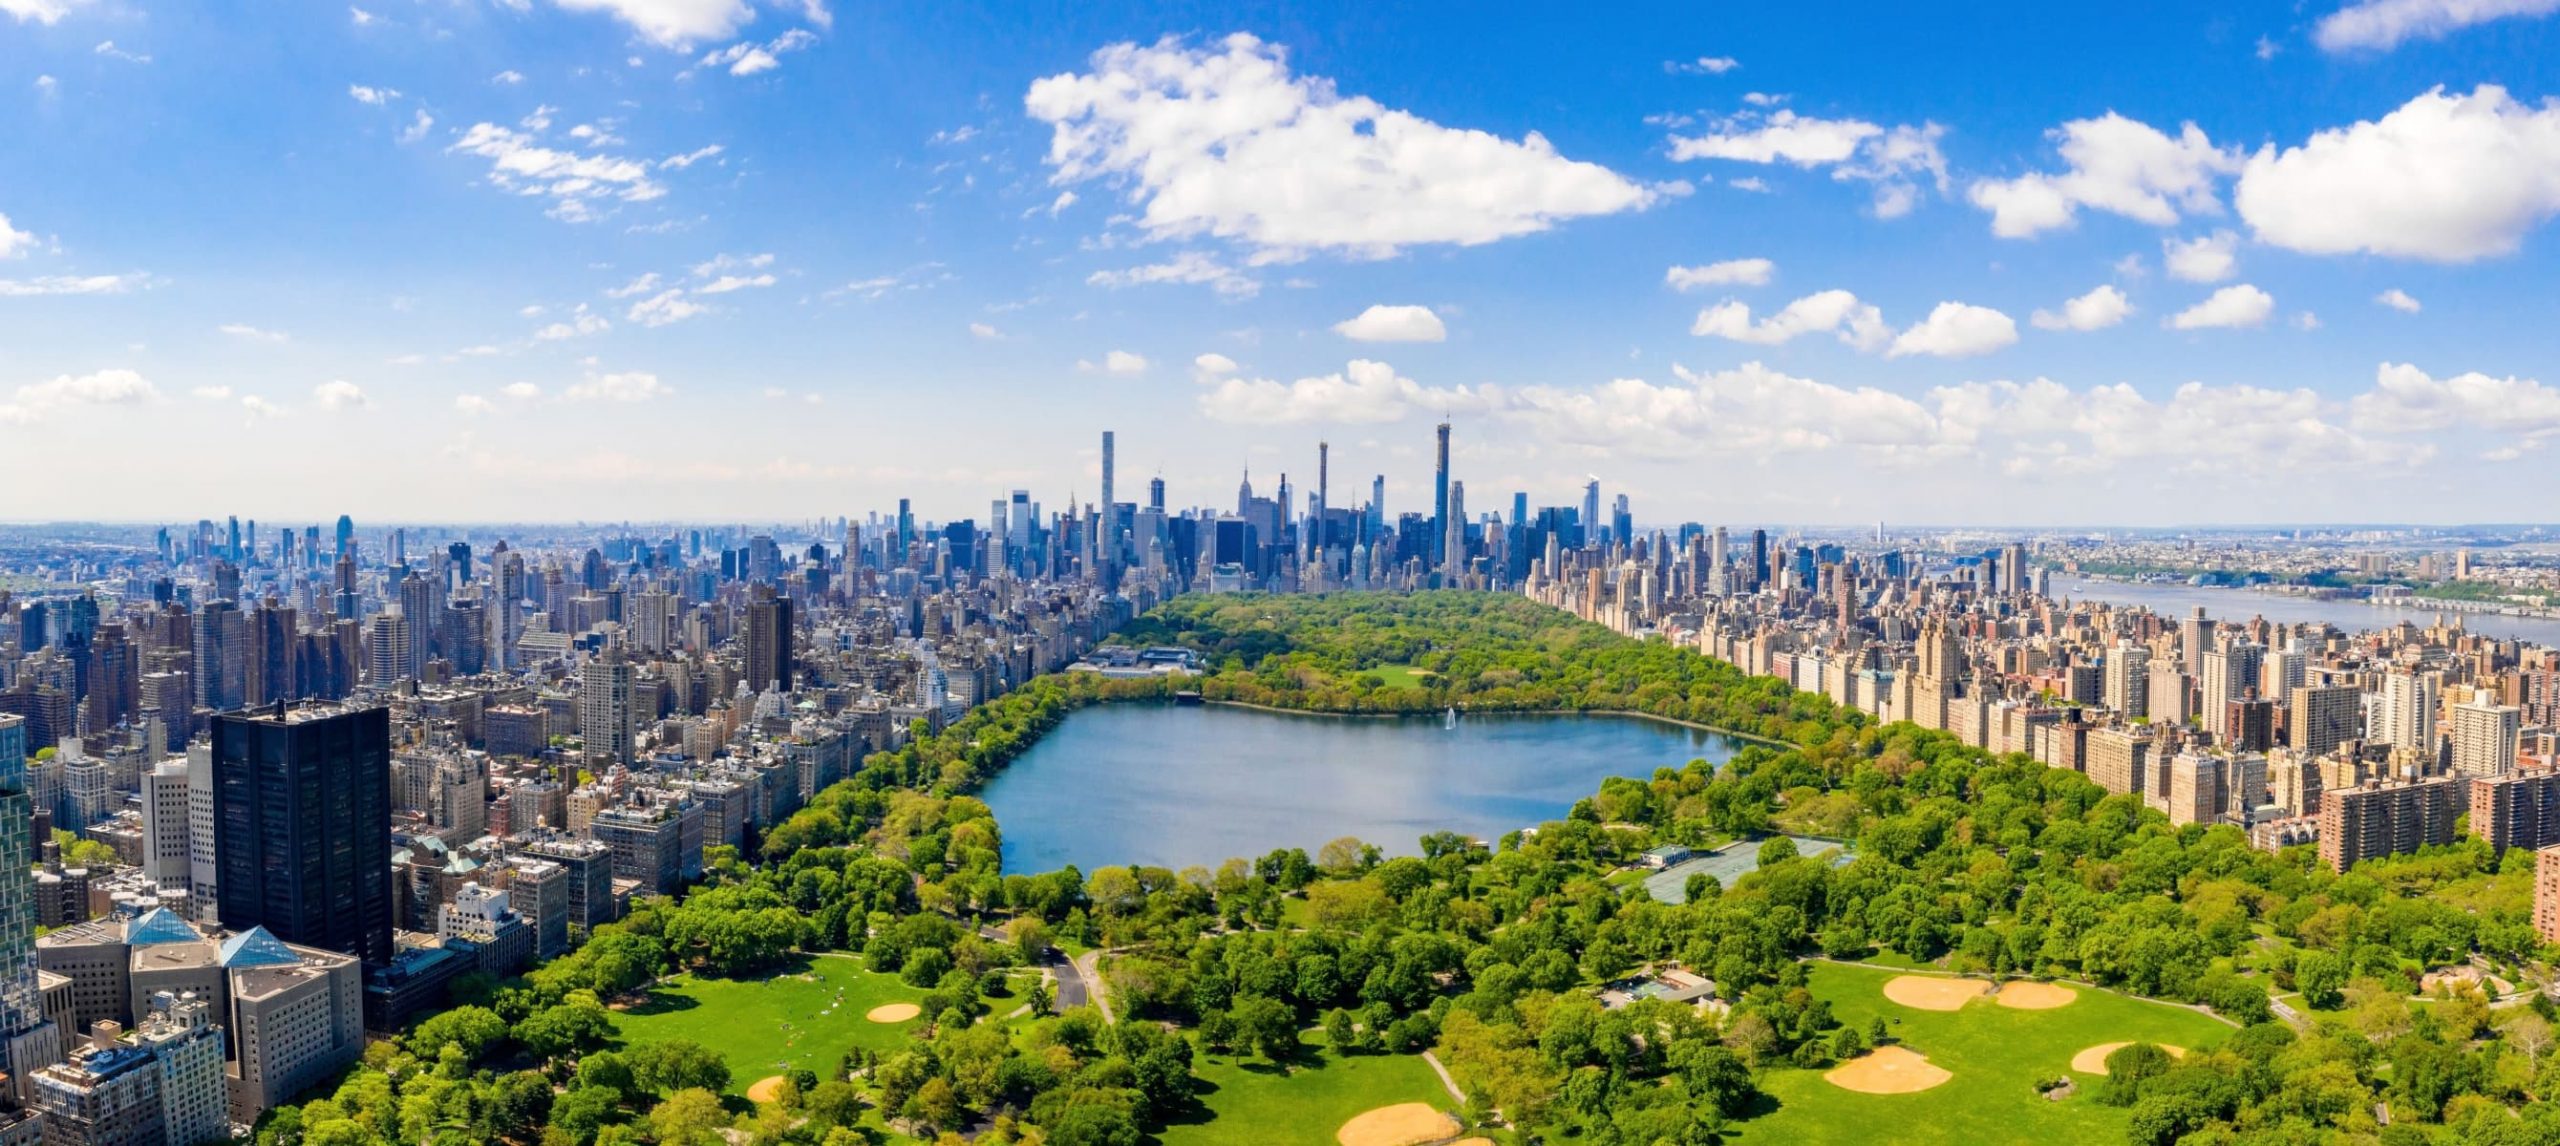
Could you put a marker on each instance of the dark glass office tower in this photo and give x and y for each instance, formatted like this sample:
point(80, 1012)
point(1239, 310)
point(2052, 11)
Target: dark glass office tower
point(302, 826)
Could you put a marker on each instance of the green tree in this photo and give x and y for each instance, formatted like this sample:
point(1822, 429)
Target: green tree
point(691, 1116)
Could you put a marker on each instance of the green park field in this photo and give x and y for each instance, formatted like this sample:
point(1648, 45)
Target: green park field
point(1402, 676)
point(1249, 1102)
point(807, 1016)
point(1996, 1054)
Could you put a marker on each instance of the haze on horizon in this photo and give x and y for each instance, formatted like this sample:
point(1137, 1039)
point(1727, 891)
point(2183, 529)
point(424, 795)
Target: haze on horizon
point(723, 260)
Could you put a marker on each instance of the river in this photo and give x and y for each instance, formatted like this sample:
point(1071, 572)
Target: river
point(1176, 786)
point(2176, 600)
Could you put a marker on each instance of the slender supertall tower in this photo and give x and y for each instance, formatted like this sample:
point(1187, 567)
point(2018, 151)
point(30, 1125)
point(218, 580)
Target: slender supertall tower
point(1106, 528)
point(1440, 500)
point(1324, 481)
point(1454, 546)
point(1107, 502)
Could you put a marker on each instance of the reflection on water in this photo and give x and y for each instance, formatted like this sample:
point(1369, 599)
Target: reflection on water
point(1156, 784)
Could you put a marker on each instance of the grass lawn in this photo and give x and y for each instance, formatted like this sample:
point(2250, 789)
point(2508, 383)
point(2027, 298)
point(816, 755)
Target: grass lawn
point(1996, 1054)
point(793, 1019)
point(1402, 676)
point(1249, 1102)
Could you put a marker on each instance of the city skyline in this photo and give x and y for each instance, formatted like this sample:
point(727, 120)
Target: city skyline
point(708, 260)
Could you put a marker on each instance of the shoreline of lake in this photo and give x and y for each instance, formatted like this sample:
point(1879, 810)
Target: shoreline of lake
point(1178, 785)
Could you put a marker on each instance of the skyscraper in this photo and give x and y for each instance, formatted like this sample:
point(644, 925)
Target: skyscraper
point(221, 657)
point(1440, 498)
point(31, 1042)
point(768, 642)
point(1454, 563)
point(2485, 737)
point(302, 826)
point(2409, 711)
point(604, 707)
point(1591, 512)
point(1106, 546)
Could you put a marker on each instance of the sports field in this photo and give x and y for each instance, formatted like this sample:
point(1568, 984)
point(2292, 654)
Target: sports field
point(1993, 1055)
point(806, 1016)
point(1249, 1102)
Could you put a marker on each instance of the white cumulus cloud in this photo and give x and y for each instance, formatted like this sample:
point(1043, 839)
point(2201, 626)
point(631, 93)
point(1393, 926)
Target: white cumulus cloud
point(2204, 259)
point(115, 387)
point(1956, 330)
point(1857, 323)
point(665, 308)
point(672, 23)
point(2406, 400)
point(1223, 140)
point(2382, 25)
point(40, 11)
point(339, 394)
point(1120, 363)
point(1731, 272)
point(2113, 164)
point(749, 57)
point(2096, 310)
point(2446, 178)
point(2231, 307)
point(1896, 160)
point(1393, 324)
point(1365, 391)
point(2399, 300)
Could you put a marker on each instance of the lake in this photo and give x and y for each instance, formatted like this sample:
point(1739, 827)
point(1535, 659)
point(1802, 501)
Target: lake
point(1176, 786)
point(2354, 616)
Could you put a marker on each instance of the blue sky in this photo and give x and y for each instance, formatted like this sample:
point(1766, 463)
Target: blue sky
point(760, 259)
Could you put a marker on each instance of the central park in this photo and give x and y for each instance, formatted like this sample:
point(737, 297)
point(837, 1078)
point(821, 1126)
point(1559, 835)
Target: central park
point(1880, 933)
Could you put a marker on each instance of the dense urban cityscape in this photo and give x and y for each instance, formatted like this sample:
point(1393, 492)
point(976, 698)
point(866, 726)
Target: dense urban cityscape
point(290, 782)
point(794, 573)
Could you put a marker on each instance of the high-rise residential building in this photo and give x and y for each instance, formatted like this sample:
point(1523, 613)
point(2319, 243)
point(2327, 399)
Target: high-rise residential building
point(302, 826)
point(590, 881)
point(768, 642)
point(27, 1039)
point(2409, 703)
point(2486, 736)
point(2517, 809)
point(221, 656)
point(2194, 638)
point(2172, 694)
point(106, 1094)
point(2196, 793)
point(2118, 758)
point(2229, 674)
point(422, 603)
point(2546, 894)
point(2380, 819)
point(2324, 717)
point(2126, 680)
point(187, 1049)
point(605, 708)
point(389, 643)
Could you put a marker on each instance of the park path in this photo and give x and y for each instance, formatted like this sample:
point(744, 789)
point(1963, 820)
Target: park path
point(1456, 1094)
point(1088, 967)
